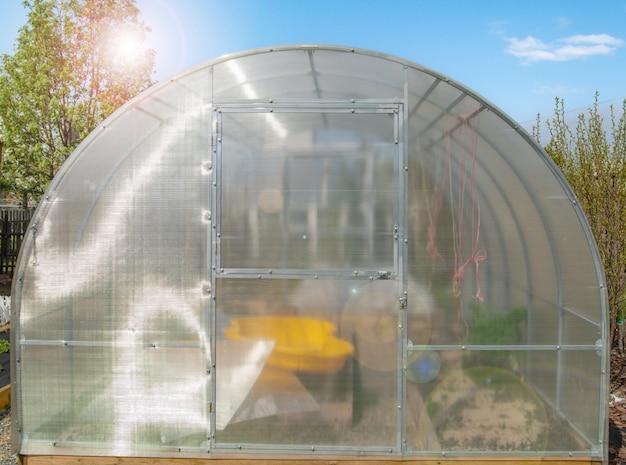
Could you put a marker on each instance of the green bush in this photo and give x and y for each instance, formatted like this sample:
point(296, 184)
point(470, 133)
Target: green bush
point(5, 346)
point(495, 329)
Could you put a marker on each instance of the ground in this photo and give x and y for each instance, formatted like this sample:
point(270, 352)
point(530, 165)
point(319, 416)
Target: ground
point(5, 284)
point(5, 366)
point(617, 409)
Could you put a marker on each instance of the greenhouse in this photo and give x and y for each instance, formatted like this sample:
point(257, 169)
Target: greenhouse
point(309, 253)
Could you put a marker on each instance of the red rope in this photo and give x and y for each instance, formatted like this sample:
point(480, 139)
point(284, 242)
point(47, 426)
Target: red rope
point(459, 273)
point(476, 255)
point(431, 248)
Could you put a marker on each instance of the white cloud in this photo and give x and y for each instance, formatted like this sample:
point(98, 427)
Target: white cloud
point(559, 90)
point(497, 28)
point(563, 22)
point(576, 47)
point(598, 39)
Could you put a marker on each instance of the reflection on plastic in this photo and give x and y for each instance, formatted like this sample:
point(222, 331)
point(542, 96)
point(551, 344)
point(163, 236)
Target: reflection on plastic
point(424, 367)
point(371, 320)
point(239, 365)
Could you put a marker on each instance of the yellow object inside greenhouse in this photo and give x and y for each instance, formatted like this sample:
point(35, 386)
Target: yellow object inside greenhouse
point(302, 344)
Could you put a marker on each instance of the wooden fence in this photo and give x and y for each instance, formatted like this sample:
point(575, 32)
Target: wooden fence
point(13, 227)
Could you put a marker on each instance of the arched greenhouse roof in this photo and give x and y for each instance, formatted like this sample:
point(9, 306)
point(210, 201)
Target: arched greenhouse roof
point(319, 182)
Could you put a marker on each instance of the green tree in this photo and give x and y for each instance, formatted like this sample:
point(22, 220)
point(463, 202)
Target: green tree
point(74, 63)
point(594, 164)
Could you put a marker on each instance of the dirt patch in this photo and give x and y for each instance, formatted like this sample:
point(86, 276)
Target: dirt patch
point(5, 284)
point(5, 362)
point(487, 409)
point(617, 410)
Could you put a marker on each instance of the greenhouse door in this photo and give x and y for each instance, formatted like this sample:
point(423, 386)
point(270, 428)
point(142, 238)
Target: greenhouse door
point(307, 259)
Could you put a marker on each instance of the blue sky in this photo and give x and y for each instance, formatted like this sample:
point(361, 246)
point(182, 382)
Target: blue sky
point(518, 55)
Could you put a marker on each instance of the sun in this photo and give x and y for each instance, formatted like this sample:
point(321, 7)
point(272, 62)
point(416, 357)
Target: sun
point(125, 46)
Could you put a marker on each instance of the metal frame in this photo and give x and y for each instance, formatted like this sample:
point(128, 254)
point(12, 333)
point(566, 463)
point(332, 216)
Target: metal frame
point(399, 274)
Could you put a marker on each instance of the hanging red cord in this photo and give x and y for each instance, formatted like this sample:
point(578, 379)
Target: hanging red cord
point(468, 140)
point(431, 248)
point(476, 253)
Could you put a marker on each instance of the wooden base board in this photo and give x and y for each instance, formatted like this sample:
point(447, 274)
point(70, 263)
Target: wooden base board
point(80, 460)
point(5, 397)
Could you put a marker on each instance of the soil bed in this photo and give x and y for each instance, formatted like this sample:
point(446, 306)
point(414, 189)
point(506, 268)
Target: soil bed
point(5, 361)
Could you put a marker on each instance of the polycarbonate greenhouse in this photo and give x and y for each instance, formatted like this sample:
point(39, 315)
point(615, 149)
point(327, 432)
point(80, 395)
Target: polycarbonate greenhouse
point(309, 253)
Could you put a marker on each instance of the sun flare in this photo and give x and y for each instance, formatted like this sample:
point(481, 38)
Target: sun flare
point(125, 46)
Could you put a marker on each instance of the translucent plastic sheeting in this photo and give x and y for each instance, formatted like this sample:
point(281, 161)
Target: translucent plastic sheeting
point(240, 364)
point(426, 255)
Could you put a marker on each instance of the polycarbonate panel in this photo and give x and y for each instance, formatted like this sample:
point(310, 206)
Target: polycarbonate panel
point(308, 74)
point(94, 397)
point(314, 250)
point(311, 394)
point(482, 408)
point(113, 311)
point(308, 190)
point(580, 379)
